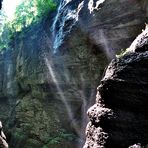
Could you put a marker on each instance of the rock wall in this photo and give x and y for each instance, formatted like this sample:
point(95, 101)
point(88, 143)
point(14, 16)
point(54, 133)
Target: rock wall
point(120, 112)
point(33, 112)
point(115, 23)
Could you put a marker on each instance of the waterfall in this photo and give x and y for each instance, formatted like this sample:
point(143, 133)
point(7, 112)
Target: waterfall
point(78, 93)
point(61, 94)
point(92, 6)
point(66, 18)
point(109, 52)
point(64, 21)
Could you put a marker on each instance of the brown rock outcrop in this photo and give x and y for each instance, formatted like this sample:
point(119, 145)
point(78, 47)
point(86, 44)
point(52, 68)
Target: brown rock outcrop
point(124, 92)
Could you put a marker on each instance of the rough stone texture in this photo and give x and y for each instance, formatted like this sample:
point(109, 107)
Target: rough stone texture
point(30, 102)
point(3, 143)
point(109, 28)
point(123, 90)
point(34, 114)
point(140, 44)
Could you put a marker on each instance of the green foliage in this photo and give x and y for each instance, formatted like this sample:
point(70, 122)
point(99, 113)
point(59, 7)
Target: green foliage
point(45, 6)
point(27, 13)
point(31, 11)
point(18, 135)
point(24, 15)
point(122, 53)
point(59, 137)
point(4, 38)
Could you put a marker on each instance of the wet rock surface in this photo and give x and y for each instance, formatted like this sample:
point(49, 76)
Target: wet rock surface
point(112, 25)
point(123, 90)
point(31, 105)
point(33, 111)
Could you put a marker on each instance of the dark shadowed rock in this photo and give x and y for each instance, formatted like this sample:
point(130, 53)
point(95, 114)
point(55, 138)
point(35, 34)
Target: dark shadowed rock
point(124, 91)
point(1, 3)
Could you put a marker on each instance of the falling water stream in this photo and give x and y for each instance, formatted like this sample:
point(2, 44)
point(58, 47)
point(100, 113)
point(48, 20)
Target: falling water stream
point(77, 94)
point(94, 6)
point(65, 19)
point(64, 22)
point(61, 94)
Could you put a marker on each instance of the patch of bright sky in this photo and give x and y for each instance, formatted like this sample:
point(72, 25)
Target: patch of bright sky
point(9, 7)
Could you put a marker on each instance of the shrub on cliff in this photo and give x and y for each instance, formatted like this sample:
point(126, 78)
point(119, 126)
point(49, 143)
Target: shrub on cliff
point(31, 11)
point(26, 13)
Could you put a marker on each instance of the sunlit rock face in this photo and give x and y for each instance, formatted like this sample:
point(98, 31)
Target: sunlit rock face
point(124, 92)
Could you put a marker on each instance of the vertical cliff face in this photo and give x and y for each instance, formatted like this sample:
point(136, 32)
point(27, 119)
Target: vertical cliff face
point(108, 27)
point(122, 93)
point(8, 86)
point(44, 95)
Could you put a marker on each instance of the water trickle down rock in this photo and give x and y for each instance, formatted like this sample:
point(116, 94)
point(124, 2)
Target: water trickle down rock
point(91, 6)
point(65, 19)
point(124, 89)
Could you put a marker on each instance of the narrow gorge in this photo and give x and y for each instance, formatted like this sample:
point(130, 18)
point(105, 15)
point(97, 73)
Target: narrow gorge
point(53, 56)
